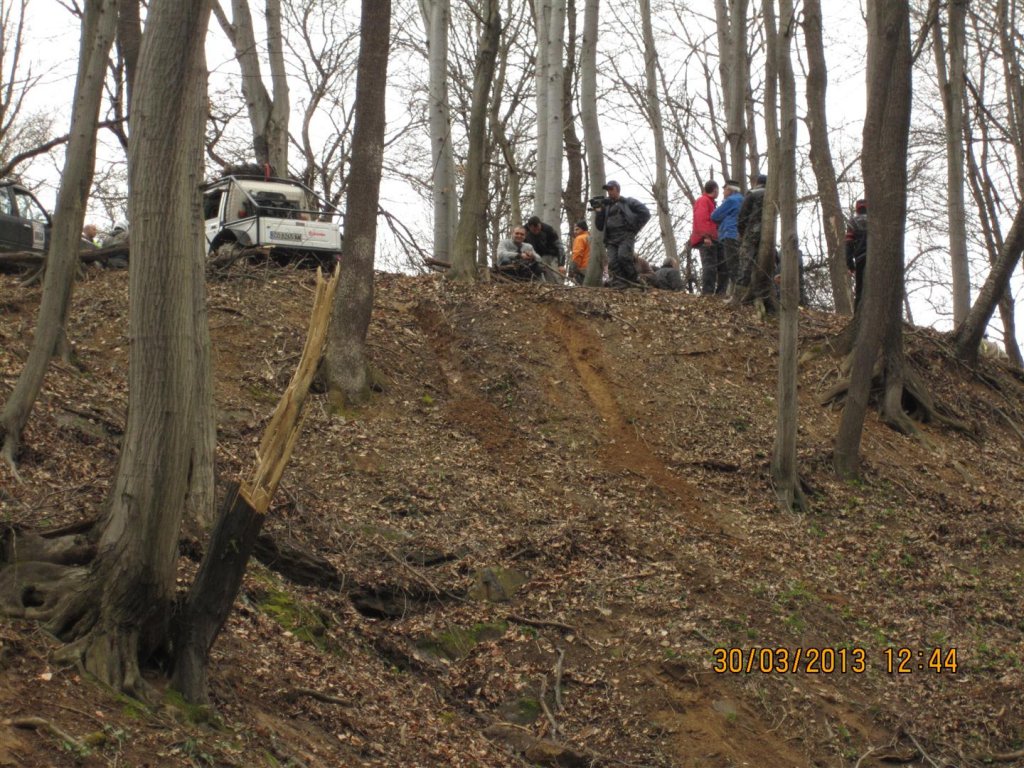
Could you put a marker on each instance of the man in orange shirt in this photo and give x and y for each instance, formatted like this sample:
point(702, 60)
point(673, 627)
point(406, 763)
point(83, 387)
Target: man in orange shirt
point(580, 252)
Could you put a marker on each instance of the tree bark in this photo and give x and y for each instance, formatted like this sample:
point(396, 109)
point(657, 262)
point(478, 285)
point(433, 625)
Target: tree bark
point(551, 204)
point(268, 116)
point(592, 134)
point(121, 615)
point(886, 134)
point(832, 221)
point(99, 23)
point(731, 16)
point(969, 334)
point(474, 193)
point(784, 459)
point(542, 25)
point(346, 368)
point(951, 85)
point(572, 199)
point(437, 20)
point(660, 190)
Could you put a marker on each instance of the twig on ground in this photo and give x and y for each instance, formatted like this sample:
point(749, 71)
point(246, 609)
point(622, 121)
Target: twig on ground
point(296, 693)
point(1007, 757)
point(558, 679)
point(866, 755)
point(513, 617)
point(920, 749)
point(545, 707)
point(39, 723)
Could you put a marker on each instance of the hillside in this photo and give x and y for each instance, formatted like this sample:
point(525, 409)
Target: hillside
point(554, 511)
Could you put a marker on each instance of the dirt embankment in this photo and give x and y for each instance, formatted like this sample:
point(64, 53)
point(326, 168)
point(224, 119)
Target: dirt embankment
point(552, 515)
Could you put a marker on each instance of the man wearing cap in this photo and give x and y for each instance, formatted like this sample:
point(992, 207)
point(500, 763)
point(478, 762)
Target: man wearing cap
point(857, 249)
point(621, 218)
point(726, 216)
point(748, 227)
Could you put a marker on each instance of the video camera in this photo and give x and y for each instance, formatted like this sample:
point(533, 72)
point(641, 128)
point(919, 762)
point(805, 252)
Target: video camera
point(599, 202)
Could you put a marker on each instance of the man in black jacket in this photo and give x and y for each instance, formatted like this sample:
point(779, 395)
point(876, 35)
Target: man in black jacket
point(857, 249)
point(548, 245)
point(621, 218)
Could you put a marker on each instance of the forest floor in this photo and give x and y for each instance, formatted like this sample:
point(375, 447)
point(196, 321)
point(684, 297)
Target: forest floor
point(554, 511)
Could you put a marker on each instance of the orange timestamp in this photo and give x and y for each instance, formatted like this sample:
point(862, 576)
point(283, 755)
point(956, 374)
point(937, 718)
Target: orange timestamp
point(830, 660)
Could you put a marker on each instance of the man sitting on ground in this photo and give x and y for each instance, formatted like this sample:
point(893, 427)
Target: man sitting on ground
point(517, 259)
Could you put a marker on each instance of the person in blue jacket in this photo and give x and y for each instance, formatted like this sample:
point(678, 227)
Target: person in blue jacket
point(726, 216)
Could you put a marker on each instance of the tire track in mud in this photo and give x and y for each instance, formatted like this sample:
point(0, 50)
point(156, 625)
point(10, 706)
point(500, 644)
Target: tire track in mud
point(624, 450)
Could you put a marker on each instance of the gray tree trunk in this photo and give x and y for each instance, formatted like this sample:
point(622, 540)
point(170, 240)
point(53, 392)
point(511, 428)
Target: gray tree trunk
point(268, 116)
point(731, 16)
point(437, 20)
point(572, 199)
point(832, 221)
point(542, 29)
point(99, 23)
point(123, 614)
point(592, 133)
point(668, 237)
point(551, 205)
point(886, 136)
point(784, 458)
point(347, 371)
point(952, 82)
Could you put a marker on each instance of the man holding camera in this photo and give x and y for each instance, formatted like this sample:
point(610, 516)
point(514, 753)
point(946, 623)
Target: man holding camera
point(620, 218)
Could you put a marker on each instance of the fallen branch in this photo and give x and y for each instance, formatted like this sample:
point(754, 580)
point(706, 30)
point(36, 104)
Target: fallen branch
point(558, 679)
point(1006, 757)
point(38, 723)
point(296, 693)
point(517, 619)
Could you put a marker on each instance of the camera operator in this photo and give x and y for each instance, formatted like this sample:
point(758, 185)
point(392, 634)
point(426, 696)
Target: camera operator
point(620, 218)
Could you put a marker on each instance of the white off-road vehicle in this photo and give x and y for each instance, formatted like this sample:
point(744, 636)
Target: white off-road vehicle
point(277, 218)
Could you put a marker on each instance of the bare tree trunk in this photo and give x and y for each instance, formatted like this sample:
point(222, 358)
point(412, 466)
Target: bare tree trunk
point(129, 40)
point(551, 204)
point(668, 237)
point(731, 17)
point(971, 331)
point(952, 85)
point(473, 209)
point(542, 23)
point(784, 460)
point(575, 207)
point(760, 288)
point(832, 221)
point(592, 133)
point(437, 20)
point(121, 615)
point(98, 28)
point(886, 132)
point(267, 116)
point(347, 370)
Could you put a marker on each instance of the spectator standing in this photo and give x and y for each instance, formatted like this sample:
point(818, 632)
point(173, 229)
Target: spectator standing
point(548, 245)
point(857, 249)
point(726, 216)
point(714, 278)
point(748, 226)
point(580, 252)
point(621, 218)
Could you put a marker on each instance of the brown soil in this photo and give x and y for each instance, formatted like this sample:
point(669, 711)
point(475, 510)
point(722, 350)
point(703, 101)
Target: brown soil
point(612, 449)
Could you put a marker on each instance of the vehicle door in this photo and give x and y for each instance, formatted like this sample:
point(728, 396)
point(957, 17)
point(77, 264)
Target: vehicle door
point(11, 226)
point(213, 205)
point(35, 220)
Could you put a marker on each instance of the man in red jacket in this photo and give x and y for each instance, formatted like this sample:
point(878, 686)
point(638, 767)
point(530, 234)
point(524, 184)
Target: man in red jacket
point(714, 271)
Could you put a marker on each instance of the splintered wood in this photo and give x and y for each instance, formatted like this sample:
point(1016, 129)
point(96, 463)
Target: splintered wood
point(283, 430)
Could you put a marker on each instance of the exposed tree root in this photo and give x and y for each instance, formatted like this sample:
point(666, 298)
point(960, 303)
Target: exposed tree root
point(904, 401)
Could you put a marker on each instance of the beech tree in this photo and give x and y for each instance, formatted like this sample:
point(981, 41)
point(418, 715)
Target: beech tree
point(886, 131)
point(550, 195)
point(832, 219)
point(115, 614)
point(660, 189)
point(345, 365)
point(731, 17)
point(99, 21)
point(592, 134)
point(268, 114)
